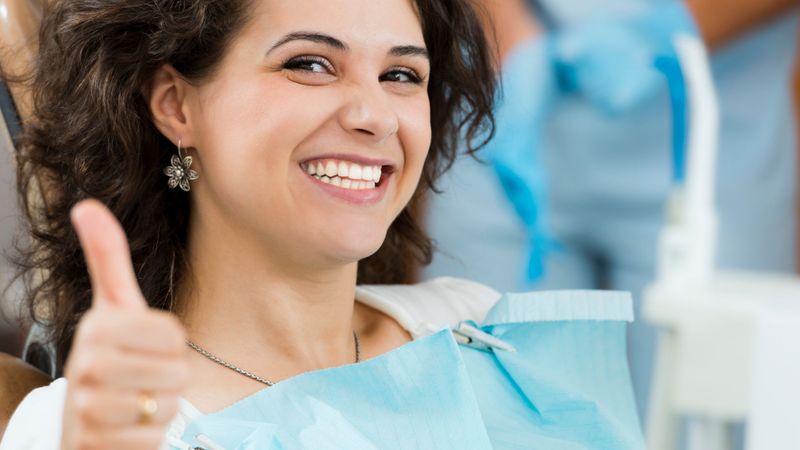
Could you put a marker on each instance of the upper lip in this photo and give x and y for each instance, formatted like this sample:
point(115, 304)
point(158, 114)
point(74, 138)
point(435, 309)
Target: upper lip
point(358, 159)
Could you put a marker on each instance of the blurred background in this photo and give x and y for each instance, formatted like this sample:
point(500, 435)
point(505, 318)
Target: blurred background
point(648, 146)
point(11, 330)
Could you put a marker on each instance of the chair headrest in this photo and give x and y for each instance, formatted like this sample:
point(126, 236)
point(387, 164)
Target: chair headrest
point(19, 32)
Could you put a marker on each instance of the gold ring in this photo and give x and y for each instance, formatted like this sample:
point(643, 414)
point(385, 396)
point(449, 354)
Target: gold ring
point(148, 407)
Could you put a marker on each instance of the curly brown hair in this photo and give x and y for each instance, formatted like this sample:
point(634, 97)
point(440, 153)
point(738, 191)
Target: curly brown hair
point(91, 135)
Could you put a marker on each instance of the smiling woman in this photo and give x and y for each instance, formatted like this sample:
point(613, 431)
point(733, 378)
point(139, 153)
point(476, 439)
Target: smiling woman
point(252, 96)
point(301, 133)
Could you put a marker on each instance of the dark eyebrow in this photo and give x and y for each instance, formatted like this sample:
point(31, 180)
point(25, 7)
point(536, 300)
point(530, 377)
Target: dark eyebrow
point(409, 50)
point(403, 50)
point(313, 37)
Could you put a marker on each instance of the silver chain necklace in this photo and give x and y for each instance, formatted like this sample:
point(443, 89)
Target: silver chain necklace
point(250, 374)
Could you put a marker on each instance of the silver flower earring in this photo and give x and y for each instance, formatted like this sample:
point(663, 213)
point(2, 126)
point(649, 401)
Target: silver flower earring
point(179, 171)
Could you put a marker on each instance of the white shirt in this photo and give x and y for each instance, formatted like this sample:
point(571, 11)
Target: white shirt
point(421, 309)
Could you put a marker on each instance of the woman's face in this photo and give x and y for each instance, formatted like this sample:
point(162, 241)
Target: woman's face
point(312, 134)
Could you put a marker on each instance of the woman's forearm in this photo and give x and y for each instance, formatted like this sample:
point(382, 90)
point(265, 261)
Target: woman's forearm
point(721, 21)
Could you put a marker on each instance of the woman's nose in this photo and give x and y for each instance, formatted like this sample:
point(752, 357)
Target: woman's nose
point(368, 112)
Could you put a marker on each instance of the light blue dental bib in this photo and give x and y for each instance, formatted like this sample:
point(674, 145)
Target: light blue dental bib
point(566, 387)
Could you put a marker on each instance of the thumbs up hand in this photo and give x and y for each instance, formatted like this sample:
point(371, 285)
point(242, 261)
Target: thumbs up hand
point(128, 363)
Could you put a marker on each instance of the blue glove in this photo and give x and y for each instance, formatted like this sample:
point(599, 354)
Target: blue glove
point(529, 88)
point(611, 60)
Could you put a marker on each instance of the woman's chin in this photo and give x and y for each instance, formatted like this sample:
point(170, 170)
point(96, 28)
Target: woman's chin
point(354, 250)
point(361, 252)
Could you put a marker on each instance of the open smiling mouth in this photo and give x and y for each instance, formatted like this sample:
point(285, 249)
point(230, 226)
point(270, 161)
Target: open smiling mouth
point(348, 175)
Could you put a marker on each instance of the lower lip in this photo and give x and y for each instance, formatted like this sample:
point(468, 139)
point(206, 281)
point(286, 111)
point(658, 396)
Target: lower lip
point(362, 197)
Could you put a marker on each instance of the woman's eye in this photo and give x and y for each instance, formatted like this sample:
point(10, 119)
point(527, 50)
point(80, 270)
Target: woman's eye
point(403, 76)
point(321, 65)
point(309, 64)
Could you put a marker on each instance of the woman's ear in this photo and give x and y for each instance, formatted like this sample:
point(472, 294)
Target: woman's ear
point(167, 99)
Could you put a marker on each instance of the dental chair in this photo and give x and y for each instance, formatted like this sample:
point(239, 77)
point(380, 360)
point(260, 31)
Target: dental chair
point(17, 377)
point(19, 25)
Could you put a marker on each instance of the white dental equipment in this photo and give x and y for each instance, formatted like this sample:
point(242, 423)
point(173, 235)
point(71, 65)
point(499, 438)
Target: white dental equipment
point(726, 353)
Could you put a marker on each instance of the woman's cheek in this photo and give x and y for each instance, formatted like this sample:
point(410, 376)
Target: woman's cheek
point(417, 135)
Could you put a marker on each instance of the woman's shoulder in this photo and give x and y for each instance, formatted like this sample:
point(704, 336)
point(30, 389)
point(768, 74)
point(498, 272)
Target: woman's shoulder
point(426, 307)
point(36, 423)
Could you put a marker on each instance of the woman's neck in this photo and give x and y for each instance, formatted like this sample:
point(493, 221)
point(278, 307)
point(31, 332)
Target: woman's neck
point(269, 312)
point(277, 316)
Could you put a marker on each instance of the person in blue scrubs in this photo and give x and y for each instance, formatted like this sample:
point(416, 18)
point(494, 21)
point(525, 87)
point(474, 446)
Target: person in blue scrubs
point(598, 167)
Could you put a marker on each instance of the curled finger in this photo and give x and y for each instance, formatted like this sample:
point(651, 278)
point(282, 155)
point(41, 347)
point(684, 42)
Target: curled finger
point(103, 407)
point(128, 370)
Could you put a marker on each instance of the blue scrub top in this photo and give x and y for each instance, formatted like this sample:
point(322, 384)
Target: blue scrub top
point(605, 181)
point(613, 173)
point(620, 166)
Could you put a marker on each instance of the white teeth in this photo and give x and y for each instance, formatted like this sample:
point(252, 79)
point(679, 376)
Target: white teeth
point(331, 169)
point(345, 174)
point(346, 183)
point(355, 172)
point(344, 169)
